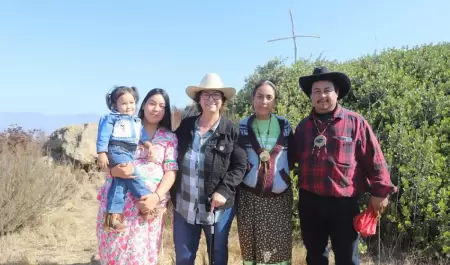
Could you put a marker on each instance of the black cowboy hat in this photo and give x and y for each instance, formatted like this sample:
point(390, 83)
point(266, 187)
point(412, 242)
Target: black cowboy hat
point(341, 80)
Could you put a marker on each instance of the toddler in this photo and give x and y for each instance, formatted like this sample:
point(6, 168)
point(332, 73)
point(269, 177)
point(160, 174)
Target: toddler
point(118, 138)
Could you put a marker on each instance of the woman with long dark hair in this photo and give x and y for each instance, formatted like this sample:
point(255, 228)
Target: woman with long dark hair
point(141, 242)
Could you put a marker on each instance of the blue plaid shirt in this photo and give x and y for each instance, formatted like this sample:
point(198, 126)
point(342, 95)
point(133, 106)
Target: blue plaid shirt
point(191, 199)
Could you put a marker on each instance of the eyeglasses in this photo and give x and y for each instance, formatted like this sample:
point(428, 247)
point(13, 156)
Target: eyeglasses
point(215, 96)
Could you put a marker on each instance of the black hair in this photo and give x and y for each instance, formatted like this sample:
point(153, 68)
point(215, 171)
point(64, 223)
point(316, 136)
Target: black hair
point(117, 92)
point(167, 119)
point(199, 107)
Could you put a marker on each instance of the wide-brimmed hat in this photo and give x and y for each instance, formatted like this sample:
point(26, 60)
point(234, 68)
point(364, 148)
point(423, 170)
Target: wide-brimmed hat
point(341, 80)
point(211, 82)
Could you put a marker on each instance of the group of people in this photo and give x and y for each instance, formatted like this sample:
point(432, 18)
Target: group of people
point(212, 171)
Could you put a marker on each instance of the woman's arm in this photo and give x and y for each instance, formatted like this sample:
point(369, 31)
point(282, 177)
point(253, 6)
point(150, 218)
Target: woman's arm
point(166, 183)
point(170, 167)
point(148, 203)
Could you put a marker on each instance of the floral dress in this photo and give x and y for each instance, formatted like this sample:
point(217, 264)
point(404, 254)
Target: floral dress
point(140, 244)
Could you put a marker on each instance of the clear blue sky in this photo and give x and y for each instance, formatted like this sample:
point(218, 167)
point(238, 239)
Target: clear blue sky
point(62, 56)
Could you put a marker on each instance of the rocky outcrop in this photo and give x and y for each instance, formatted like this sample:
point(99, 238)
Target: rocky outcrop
point(75, 143)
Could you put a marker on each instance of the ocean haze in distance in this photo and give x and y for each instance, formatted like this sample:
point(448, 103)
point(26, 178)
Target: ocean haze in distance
point(47, 123)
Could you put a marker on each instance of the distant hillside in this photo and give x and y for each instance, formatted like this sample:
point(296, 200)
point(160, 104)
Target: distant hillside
point(47, 123)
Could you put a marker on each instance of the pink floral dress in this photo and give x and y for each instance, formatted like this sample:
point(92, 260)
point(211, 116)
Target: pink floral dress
point(140, 244)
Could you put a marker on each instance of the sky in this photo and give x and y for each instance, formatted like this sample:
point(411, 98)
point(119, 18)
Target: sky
point(62, 57)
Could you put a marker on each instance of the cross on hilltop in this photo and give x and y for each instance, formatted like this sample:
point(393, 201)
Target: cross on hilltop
point(293, 37)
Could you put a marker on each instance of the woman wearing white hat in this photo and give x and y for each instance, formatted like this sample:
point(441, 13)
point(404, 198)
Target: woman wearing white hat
point(212, 165)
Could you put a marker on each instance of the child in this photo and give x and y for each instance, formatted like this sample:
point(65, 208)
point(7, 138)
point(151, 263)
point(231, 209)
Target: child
point(118, 138)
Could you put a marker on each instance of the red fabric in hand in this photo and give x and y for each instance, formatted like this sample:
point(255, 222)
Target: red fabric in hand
point(365, 223)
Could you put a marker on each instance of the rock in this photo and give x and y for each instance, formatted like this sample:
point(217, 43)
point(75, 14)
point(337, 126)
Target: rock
point(76, 143)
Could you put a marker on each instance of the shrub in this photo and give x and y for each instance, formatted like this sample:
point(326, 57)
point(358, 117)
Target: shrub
point(31, 184)
point(405, 96)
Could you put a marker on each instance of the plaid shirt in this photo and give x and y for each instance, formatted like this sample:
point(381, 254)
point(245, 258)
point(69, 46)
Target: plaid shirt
point(348, 164)
point(191, 198)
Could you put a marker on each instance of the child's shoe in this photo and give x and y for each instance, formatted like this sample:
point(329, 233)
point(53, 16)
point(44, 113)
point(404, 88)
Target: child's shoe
point(114, 221)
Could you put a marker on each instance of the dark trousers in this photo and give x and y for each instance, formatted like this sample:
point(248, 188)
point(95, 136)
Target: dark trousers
point(323, 218)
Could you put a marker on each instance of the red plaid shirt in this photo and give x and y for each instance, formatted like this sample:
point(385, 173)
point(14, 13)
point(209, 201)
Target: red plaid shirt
point(349, 163)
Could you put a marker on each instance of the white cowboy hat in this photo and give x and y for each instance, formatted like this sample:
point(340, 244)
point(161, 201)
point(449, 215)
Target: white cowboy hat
point(211, 82)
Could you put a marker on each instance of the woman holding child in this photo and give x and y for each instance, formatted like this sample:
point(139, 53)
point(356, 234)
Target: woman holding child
point(264, 205)
point(140, 242)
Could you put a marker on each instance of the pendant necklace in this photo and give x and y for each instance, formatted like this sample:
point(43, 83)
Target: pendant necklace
point(320, 139)
point(264, 156)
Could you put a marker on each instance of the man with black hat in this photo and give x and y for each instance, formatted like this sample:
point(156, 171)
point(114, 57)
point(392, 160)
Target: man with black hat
point(339, 159)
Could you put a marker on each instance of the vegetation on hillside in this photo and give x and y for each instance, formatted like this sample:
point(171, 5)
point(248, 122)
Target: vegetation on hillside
point(403, 93)
point(31, 184)
point(405, 96)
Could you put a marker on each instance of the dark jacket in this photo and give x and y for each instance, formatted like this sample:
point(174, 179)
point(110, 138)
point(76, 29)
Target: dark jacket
point(225, 161)
point(276, 180)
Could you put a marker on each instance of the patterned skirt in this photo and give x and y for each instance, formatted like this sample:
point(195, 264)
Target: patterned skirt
point(265, 228)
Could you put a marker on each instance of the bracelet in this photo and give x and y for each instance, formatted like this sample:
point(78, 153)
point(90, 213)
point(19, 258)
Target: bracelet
point(159, 198)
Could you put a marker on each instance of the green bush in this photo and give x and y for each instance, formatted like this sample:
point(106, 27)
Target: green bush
point(405, 96)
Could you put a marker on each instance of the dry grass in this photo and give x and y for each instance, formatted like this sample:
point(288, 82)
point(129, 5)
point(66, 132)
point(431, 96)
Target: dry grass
point(35, 201)
point(64, 236)
point(52, 210)
point(31, 185)
point(67, 236)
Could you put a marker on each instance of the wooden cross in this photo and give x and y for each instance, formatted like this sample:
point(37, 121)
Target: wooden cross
point(293, 37)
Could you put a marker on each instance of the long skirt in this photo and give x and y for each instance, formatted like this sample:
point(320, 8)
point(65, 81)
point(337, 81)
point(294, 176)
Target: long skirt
point(265, 228)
